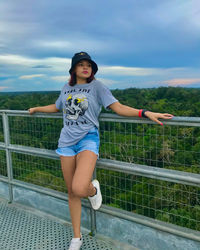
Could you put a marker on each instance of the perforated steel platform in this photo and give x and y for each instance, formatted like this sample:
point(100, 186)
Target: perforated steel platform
point(23, 230)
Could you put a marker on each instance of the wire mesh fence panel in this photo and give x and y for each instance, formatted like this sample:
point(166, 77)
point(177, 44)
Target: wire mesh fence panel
point(172, 147)
point(38, 171)
point(3, 167)
point(1, 129)
point(166, 201)
point(35, 131)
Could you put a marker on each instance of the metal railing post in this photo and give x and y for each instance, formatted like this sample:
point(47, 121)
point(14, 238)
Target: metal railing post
point(8, 155)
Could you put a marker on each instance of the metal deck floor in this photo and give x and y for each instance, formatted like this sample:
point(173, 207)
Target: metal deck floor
point(24, 230)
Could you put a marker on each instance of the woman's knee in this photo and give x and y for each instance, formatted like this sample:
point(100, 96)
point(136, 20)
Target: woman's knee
point(79, 190)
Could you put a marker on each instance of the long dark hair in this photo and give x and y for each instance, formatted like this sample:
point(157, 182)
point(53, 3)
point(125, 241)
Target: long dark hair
point(72, 80)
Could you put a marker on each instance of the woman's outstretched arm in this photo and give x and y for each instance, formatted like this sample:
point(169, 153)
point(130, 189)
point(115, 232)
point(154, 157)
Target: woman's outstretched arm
point(124, 110)
point(46, 109)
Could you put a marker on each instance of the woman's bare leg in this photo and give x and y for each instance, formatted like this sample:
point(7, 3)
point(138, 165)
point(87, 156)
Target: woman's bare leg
point(77, 172)
point(68, 164)
point(85, 164)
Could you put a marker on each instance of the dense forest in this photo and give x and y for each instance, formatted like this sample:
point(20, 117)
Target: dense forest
point(170, 147)
point(176, 100)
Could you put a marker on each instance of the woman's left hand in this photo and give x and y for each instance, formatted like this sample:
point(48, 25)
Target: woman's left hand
point(155, 116)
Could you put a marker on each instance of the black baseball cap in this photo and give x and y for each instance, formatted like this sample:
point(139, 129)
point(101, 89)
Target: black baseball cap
point(82, 56)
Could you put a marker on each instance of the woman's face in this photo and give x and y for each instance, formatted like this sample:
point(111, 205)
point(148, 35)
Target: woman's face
point(83, 69)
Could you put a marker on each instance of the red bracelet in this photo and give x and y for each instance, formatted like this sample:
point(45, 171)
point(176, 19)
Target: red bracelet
point(140, 113)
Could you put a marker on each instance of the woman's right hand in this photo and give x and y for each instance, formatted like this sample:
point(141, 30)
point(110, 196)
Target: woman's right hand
point(45, 109)
point(31, 111)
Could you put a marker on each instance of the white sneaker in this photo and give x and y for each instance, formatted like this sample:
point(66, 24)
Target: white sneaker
point(96, 200)
point(76, 243)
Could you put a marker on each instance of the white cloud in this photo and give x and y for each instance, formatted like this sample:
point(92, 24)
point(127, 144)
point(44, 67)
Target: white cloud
point(16, 59)
point(78, 42)
point(134, 71)
point(54, 44)
point(181, 81)
point(65, 78)
point(120, 70)
point(57, 63)
point(62, 64)
point(107, 81)
point(3, 87)
point(31, 76)
point(59, 78)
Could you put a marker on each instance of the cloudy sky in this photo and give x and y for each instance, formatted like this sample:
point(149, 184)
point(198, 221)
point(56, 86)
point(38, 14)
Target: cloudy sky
point(136, 43)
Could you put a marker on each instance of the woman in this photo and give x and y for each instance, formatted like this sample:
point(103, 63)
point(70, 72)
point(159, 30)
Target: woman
point(81, 100)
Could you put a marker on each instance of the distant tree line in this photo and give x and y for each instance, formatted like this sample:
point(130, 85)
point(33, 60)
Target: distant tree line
point(176, 100)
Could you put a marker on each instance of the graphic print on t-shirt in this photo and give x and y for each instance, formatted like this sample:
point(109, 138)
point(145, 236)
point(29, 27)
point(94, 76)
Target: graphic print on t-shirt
point(76, 105)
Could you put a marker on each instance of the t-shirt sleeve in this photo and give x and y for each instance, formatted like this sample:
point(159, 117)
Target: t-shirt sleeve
point(59, 104)
point(105, 96)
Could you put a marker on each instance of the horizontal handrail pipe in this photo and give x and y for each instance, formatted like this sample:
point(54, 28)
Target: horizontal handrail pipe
point(2, 145)
point(151, 172)
point(177, 120)
point(119, 166)
point(4, 179)
point(27, 114)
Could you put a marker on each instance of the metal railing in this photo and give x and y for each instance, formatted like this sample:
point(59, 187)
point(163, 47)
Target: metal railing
point(143, 168)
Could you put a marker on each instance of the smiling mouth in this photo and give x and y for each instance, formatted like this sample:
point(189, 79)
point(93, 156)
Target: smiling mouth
point(85, 72)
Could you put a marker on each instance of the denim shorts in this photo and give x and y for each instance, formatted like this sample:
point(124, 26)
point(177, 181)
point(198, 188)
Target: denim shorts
point(89, 142)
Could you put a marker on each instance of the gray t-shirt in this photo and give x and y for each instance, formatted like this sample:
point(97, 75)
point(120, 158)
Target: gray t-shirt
point(81, 105)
